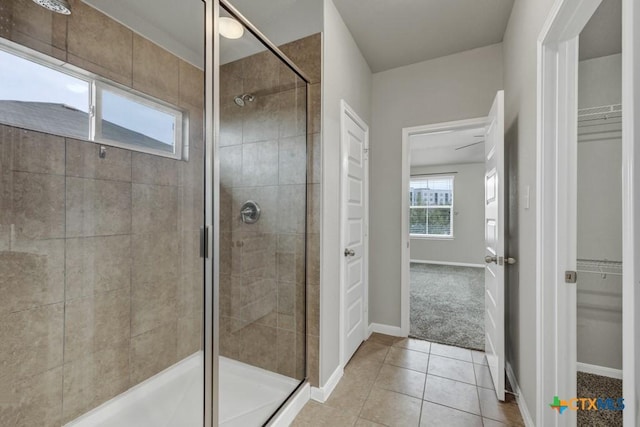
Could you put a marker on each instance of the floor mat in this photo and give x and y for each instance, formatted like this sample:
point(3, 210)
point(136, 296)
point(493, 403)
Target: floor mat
point(447, 305)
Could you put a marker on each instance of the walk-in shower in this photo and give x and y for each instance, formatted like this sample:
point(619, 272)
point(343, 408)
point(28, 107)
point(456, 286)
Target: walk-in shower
point(144, 280)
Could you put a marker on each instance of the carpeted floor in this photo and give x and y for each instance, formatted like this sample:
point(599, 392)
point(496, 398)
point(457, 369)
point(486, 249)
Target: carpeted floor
point(447, 305)
point(590, 385)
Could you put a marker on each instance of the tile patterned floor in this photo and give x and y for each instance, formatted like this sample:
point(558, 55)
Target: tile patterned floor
point(405, 382)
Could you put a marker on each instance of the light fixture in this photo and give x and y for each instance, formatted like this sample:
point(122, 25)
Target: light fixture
point(230, 28)
point(58, 6)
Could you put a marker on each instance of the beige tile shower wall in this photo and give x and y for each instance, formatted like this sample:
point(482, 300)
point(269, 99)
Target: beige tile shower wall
point(264, 157)
point(100, 274)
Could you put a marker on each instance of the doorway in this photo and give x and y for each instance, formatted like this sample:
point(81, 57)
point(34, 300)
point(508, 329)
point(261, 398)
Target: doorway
point(599, 214)
point(446, 226)
point(564, 157)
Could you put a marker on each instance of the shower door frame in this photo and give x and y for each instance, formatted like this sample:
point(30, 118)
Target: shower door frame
point(212, 204)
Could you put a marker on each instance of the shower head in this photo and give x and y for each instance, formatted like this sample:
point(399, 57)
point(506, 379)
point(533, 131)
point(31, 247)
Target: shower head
point(58, 6)
point(241, 100)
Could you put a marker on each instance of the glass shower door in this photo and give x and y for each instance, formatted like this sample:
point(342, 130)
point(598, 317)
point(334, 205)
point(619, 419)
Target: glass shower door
point(262, 222)
point(101, 279)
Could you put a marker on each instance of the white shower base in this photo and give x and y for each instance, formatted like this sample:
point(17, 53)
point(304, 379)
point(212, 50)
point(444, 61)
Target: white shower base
point(249, 395)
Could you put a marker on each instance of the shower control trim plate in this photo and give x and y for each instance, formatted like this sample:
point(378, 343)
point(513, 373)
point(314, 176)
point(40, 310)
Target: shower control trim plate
point(250, 212)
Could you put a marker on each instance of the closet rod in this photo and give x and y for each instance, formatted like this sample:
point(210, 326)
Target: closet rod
point(433, 174)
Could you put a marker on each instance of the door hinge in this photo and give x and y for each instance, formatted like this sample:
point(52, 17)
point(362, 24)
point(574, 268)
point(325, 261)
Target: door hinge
point(570, 276)
point(204, 242)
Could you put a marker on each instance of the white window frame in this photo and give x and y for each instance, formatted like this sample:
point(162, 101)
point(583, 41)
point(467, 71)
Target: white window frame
point(97, 85)
point(450, 206)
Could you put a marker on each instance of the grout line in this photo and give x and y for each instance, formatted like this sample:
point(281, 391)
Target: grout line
point(374, 381)
point(478, 393)
point(424, 387)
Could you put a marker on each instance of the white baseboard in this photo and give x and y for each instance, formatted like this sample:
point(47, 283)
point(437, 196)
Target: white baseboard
point(454, 264)
point(599, 370)
point(321, 394)
point(290, 412)
point(522, 405)
point(394, 331)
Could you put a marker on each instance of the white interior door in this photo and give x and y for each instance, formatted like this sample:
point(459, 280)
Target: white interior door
point(495, 244)
point(354, 232)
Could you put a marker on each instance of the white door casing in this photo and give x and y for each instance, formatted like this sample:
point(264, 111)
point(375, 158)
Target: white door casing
point(556, 206)
point(354, 231)
point(495, 244)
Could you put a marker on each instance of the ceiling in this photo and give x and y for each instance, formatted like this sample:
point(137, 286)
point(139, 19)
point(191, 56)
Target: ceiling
point(602, 35)
point(437, 149)
point(391, 34)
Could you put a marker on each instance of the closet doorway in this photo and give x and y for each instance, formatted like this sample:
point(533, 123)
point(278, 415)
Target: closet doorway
point(599, 214)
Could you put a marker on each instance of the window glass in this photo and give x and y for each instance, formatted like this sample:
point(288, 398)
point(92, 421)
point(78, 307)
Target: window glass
point(40, 98)
point(39, 93)
point(125, 120)
point(431, 206)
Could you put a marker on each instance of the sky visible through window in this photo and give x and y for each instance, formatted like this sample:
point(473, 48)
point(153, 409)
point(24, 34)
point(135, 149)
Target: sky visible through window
point(432, 183)
point(137, 117)
point(24, 80)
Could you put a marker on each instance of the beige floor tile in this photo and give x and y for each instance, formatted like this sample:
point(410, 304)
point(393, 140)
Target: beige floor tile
point(506, 412)
point(451, 393)
point(479, 357)
point(363, 368)
point(371, 350)
point(350, 393)
point(437, 416)
point(384, 339)
point(401, 380)
point(316, 414)
point(414, 344)
point(452, 369)
point(392, 409)
point(366, 423)
point(483, 377)
point(407, 359)
point(452, 352)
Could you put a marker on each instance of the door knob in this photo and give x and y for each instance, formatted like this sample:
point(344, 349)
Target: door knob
point(349, 252)
point(489, 259)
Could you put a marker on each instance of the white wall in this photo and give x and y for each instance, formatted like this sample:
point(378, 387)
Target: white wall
point(467, 245)
point(600, 81)
point(520, 84)
point(346, 75)
point(454, 87)
point(599, 335)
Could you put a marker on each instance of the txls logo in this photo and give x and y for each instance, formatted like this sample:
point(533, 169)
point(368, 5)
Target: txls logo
point(587, 404)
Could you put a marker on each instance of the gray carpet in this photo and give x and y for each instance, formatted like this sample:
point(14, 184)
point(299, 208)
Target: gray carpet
point(590, 385)
point(447, 305)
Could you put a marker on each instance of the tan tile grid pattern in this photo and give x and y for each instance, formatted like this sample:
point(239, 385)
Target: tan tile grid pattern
point(406, 382)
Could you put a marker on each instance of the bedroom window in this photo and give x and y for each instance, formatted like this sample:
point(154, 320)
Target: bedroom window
point(431, 206)
point(43, 94)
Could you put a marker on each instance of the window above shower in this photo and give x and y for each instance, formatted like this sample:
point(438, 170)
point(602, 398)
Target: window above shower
point(40, 93)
